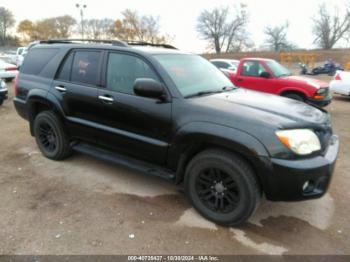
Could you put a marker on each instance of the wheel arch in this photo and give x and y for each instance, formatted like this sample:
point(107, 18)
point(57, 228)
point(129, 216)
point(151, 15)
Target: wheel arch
point(293, 90)
point(37, 102)
point(191, 140)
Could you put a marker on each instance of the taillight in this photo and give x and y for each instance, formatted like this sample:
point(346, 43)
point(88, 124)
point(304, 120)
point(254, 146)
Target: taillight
point(337, 77)
point(11, 68)
point(15, 85)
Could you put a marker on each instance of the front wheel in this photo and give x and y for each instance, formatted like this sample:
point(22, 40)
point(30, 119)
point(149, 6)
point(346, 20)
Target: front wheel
point(50, 136)
point(222, 187)
point(1, 101)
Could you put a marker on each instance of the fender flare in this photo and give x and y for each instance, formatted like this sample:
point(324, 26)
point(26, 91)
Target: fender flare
point(190, 138)
point(43, 97)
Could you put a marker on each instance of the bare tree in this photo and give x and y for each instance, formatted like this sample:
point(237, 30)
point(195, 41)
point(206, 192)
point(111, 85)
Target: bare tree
point(133, 27)
point(330, 28)
point(277, 37)
point(223, 30)
point(99, 28)
point(7, 21)
point(64, 25)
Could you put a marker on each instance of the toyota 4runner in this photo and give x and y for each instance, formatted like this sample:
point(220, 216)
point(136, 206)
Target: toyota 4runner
point(175, 115)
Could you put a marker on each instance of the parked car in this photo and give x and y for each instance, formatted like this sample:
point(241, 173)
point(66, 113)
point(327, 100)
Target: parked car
point(175, 115)
point(266, 75)
point(341, 83)
point(226, 64)
point(3, 92)
point(7, 71)
point(19, 56)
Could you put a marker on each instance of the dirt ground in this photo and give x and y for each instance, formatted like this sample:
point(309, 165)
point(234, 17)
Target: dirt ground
point(86, 206)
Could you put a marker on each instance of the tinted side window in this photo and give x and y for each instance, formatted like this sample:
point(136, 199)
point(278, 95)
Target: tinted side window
point(252, 68)
point(66, 68)
point(37, 59)
point(123, 70)
point(85, 67)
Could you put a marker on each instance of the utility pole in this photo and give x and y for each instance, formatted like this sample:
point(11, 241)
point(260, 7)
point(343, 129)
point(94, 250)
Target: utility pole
point(81, 8)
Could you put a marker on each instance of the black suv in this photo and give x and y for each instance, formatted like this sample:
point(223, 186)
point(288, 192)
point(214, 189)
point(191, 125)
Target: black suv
point(175, 115)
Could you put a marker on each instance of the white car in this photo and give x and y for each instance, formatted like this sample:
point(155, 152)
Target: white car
point(7, 71)
point(228, 64)
point(341, 83)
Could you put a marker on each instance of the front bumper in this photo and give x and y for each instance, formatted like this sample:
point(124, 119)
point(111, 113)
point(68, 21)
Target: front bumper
point(283, 180)
point(320, 102)
point(3, 93)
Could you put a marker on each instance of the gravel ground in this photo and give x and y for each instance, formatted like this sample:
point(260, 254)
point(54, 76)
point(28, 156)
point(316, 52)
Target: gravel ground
point(86, 206)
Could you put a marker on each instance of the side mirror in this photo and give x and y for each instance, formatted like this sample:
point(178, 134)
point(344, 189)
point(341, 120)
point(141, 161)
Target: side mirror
point(265, 75)
point(148, 87)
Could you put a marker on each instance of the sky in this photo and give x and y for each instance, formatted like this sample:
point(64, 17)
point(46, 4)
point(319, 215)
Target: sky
point(178, 18)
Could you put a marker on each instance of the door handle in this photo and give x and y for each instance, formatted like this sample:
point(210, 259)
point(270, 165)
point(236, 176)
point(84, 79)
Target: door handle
point(60, 88)
point(106, 98)
point(240, 79)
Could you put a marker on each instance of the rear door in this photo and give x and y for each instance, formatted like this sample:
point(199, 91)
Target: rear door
point(131, 124)
point(75, 86)
point(249, 77)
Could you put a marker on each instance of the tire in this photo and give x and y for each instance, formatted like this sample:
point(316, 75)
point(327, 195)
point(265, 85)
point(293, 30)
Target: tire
point(50, 136)
point(8, 80)
point(230, 201)
point(1, 101)
point(294, 96)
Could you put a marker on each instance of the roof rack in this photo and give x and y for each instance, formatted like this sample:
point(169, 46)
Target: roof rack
point(141, 43)
point(112, 42)
point(72, 41)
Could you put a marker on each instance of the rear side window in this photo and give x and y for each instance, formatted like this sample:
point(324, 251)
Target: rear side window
point(37, 59)
point(123, 70)
point(85, 67)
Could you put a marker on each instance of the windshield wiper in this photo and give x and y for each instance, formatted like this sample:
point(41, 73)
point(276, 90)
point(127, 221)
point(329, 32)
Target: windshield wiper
point(203, 93)
point(283, 75)
point(210, 92)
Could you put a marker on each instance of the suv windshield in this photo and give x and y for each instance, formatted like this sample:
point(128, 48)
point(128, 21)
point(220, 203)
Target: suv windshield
point(277, 69)
point(194, 75)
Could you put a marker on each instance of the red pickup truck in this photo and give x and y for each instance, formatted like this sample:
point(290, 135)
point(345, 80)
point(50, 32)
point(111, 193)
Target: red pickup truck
point(269, 76)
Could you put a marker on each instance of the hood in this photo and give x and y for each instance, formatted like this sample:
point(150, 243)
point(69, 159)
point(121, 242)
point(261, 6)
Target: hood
point(270, 110)
point(301, 80)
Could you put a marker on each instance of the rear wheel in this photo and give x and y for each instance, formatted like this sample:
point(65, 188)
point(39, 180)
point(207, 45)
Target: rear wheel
point(294, 96)
point(222, 187)
point(50, 136)
point(1, 101)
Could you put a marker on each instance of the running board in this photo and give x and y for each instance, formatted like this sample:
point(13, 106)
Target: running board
point(118, 159)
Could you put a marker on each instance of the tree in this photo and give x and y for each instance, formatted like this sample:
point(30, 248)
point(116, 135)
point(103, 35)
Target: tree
point(133, 27)
point(225, 31)
point(26, 28)
point(64, 25)
point(330, 28)
point(55, 27)
point(6, 22)
point(99, 28)
point(277, 37)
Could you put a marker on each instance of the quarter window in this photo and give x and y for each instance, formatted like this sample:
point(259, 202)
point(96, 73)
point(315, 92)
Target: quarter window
point(123, 70)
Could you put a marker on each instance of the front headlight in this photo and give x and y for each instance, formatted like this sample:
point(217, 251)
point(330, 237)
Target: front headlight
point(300, 141)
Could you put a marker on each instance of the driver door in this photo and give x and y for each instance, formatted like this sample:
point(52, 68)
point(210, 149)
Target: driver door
point(131, 124)
point(249, 77)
